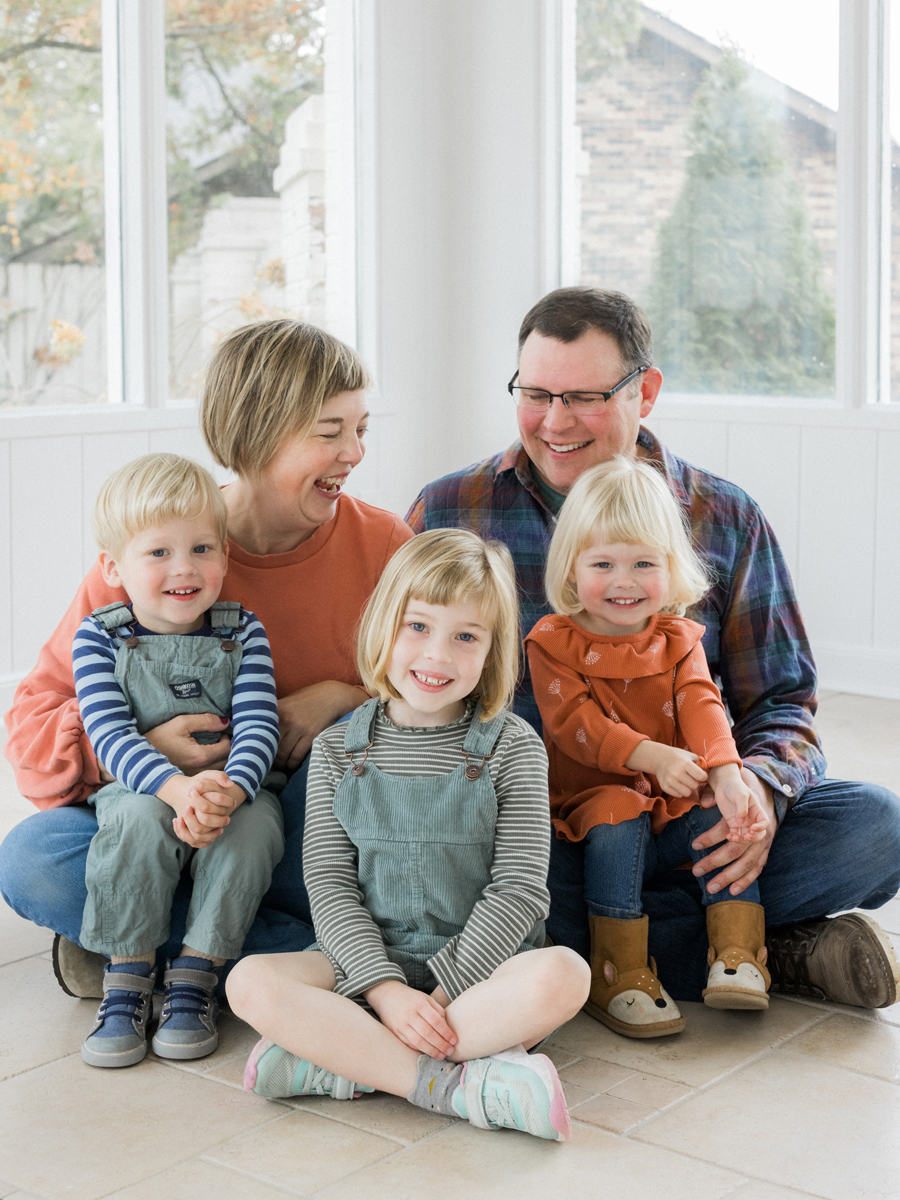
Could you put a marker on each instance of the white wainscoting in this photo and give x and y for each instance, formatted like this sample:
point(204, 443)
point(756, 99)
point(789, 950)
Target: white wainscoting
point(828, 480)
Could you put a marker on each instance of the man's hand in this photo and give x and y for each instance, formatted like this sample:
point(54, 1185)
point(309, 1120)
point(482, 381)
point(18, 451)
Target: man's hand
point(676, 770)
point(741, 862)
point(197, 830)
point(304, 714)
point(416, 1019)
point(174, 741)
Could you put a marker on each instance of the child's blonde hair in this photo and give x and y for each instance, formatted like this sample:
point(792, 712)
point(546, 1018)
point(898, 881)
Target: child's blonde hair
point(445, 566)
point(268, 381)
point(623, 501)
point(150, 490)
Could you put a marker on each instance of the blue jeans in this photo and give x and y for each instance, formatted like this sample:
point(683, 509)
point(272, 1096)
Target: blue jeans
point(620, 859)
point(42, 862)
point(837, 848)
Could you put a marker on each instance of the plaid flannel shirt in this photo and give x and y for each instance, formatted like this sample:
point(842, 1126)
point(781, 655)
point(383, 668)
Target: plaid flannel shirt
point(755, 642)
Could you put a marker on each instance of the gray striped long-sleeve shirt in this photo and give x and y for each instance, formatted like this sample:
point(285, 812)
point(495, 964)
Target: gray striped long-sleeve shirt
point(511, 904)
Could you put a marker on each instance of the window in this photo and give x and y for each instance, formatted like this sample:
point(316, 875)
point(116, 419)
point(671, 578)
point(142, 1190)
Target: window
point(52, 281)
point(710, 184)
point(243, 83)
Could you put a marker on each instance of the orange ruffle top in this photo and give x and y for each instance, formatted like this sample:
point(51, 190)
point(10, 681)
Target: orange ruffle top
point(599, 697)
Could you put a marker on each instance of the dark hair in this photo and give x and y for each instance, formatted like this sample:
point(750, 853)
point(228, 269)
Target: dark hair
point(569, 312)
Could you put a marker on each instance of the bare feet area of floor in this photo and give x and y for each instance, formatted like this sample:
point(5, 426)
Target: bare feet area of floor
point(802, 1100)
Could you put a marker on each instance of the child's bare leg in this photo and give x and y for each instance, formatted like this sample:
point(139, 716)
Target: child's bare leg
point(289, 998)
point(526, 998)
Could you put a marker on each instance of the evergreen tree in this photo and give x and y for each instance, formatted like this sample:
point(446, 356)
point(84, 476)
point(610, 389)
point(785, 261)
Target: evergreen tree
point(738, 303)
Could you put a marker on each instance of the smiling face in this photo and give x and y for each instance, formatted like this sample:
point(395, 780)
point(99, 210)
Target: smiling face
point(438, 657)
point(620, 587)
point(560, 444)
point(172, 573)
point(305, 478)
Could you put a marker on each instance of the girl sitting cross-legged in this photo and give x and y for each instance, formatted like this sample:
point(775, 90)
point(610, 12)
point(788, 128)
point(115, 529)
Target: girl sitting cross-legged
point(425, 856)
point(634, 728)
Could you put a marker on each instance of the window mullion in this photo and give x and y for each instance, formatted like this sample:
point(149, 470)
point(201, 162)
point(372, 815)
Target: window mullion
point(863, 172)
point(134, 101)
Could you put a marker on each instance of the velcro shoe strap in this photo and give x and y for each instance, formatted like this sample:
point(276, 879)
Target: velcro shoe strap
point(472, 1084)
point(206, 980)
point(114, 981)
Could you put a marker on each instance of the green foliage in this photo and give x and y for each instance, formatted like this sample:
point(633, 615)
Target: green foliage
point(738, 303)
point(605, 30)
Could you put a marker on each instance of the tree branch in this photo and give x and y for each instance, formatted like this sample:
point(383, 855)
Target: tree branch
point(41, 44)
point(231, 106)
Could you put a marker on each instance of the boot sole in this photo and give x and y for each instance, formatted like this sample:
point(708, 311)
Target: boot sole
point(886, 946)
point(663, 1029)
point(744, 998)
point(85, 974)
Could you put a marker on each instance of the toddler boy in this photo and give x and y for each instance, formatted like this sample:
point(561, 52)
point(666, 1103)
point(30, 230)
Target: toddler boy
point(172, 648)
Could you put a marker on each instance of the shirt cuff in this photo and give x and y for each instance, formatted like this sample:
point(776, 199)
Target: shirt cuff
point(786, 783)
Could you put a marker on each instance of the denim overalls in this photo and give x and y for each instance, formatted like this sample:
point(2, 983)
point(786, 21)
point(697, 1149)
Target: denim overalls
point(135, 860)
point(425, 843)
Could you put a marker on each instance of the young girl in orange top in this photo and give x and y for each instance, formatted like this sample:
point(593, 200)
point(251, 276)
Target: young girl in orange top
point(634, 728)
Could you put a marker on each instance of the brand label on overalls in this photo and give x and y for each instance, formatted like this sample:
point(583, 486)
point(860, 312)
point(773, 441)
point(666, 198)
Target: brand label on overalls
point(189, 690)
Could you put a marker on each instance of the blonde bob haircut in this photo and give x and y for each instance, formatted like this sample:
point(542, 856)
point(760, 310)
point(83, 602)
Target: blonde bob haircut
point(445, 566)
point(267, 382)
point(623, 501)
point(151, 490)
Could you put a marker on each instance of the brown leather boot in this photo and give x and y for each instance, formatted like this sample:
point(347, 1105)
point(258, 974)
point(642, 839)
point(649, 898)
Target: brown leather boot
point(737, 954)
point(625, 993)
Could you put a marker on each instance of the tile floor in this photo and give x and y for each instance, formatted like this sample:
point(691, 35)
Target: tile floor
point(803, 1100)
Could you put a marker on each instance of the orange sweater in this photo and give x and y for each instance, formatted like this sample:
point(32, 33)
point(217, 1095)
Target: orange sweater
point(599, 697)
point(309, 601)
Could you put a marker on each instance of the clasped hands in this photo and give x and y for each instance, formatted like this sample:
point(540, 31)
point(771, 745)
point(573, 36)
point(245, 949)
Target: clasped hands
point(202, 804)
point(416, 1018)
point(744, 835)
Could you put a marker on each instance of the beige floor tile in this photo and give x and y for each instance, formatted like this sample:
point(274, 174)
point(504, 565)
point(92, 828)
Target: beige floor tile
point(69, 1128)
point(387, 1116)
point(861, 738)
point(40, 1022)
point(575, 1094)
point(558, 1056)
point(20, 938)
point(767, 1191)
point(715, 1041)
point(302, 1152)
point(610, 1112)
point(594, 1075)
point(650, 1090)
point(794, 1122)
point(888, 916)
point(197, 1179)
point(863, 1046)
point(467, 1162)
point(880, 1016)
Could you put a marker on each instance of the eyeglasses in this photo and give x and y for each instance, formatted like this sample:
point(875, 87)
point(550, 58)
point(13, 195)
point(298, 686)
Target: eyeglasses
point(585, 402)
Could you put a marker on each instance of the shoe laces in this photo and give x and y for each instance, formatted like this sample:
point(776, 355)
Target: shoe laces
point(122, 1003)
point(497, 1109)
point(185, 998)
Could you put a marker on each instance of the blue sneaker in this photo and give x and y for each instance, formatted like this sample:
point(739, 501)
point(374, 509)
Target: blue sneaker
point(187, 1026)
point(514, 1090)
point(275, 1073)
point(119, 1035)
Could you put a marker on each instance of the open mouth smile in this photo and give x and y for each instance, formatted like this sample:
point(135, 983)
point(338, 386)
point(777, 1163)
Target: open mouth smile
point(182, 593)
point(330, 485)
point(626, 603)
point(430, 681)
point(569, 447)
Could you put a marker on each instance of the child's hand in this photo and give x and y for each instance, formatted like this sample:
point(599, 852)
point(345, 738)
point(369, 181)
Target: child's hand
point(198, 830)
point(676, 770)
point(416, 1019)
point(216, 793)
point(745, 819)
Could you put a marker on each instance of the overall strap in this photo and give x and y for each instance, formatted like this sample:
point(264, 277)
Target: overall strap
point(225, 614)
point(113, 616)
point(359, 727)
point(483, 735)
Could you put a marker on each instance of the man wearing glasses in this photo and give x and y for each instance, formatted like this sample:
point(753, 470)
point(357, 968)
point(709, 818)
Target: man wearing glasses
point(584, 382)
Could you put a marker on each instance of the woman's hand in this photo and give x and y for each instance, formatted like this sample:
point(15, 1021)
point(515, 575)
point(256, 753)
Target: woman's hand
point(304, 714)
point(415, 1018)
point(174, 741)
point(677, 771)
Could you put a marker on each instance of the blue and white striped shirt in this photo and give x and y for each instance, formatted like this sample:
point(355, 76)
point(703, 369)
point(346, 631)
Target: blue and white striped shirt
point(128, 756)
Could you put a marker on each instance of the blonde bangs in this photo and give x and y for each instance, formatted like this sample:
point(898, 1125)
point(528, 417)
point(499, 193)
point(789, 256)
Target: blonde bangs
point(444, 567)
point(624, 501)
point(151, 490)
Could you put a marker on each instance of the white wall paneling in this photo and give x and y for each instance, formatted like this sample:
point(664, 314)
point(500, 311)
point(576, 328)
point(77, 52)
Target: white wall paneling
point(52, 465)
point(828, 481)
